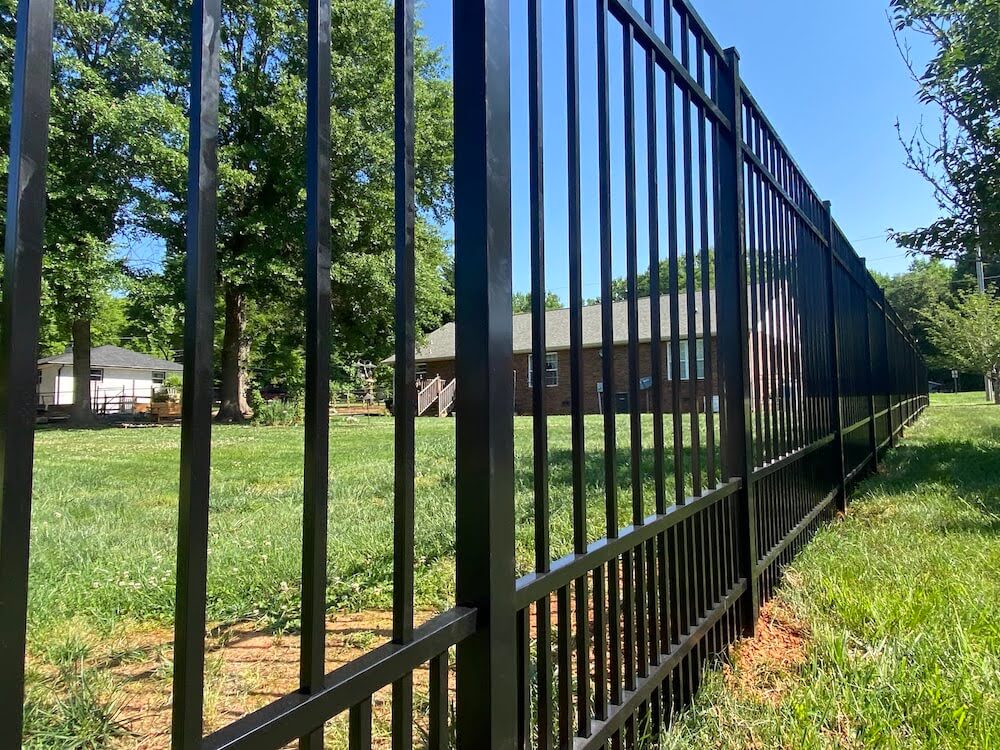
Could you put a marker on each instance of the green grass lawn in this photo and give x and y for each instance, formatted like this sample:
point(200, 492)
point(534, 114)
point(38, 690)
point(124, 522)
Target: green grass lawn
point(105, 517)
point(898, 604)
point(903, 646)
point(965, 398)
point(104, 545)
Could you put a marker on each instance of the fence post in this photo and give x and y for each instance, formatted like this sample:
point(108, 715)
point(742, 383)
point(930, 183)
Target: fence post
point(487, 662)
point(835, 406)
point(872, 435)
point(19, 342)
point(888, 376)
point(734, 334)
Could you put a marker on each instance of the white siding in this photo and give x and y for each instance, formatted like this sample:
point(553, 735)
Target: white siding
point(118, 389)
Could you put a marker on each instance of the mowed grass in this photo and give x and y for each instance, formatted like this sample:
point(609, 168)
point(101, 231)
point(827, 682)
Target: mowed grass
point(104, 521)
point(104, 535)
point(965, 398)
point(899, 603)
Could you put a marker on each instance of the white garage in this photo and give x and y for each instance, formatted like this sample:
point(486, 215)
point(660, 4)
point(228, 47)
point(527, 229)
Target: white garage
point(120, 379)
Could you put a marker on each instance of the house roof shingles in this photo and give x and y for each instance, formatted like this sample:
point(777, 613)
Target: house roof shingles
point(440, 344)
point(115, 356)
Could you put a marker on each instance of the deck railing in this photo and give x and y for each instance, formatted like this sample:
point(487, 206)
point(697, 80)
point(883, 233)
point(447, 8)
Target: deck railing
point(446, 399)
point(428, 395)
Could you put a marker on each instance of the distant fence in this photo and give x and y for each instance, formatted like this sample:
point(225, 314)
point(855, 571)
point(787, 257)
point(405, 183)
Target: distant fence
point(697, 512)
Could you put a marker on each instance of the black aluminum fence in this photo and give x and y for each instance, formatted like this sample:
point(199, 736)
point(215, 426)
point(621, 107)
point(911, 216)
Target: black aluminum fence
point(698, 511)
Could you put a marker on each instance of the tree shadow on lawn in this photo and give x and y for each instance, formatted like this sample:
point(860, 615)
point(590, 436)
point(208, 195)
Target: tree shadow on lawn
point(961, 404)
point(971, 466)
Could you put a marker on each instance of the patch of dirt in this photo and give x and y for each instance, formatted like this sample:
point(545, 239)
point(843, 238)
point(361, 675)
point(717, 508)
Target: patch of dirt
point(245, 669)
point(766, 667)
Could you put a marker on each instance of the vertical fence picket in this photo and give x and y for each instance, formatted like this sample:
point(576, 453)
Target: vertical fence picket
point(197, 397)
point(656, 548)
point(608, 399)
point(836, 410)
point(404, 500)
point(890, 391)
point(316, 471)
point(22, 275)
point(437, 731)
point(540, 439)
point(872, 371)
point(359, 726)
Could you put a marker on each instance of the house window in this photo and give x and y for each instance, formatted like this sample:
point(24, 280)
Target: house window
point(159, 378)
point(551, 370)
point(685, 369)
point(421, 370)
point(39, 381)
point(96, 375)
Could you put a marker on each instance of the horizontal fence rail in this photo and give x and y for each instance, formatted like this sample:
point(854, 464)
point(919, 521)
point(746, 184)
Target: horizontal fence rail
point(758, 372)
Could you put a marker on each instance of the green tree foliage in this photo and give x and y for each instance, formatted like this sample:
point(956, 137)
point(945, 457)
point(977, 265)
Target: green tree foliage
point(926, 285)
point(105, 108)
point(968, 333)
point(522, 302)
point(960, 157)
point(153, 314)
point(108, 324)
point(619, 286)
point(965, 272)
point(262, 173)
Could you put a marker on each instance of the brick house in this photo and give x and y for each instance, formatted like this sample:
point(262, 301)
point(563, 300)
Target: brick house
point(436, 358)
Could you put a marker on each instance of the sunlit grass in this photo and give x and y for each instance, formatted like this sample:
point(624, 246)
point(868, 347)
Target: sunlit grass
point(900, 599)
point(104, 527)
point(104, 520)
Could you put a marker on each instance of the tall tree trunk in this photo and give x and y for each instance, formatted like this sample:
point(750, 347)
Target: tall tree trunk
point(235, 351)
point(82, 412)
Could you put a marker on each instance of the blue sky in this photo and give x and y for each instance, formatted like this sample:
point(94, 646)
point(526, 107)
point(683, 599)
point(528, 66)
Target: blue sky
point(826, 72)
point(828, 76)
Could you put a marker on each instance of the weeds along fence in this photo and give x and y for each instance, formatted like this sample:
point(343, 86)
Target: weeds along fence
point(698, 512)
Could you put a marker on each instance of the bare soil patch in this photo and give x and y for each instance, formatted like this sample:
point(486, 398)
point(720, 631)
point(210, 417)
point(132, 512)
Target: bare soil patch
point(767, 666)
point(245, 669)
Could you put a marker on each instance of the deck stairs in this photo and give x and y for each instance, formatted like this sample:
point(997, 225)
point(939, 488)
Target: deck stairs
point(436, 393)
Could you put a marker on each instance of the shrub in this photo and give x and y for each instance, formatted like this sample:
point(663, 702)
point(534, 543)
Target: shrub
point(278, 413)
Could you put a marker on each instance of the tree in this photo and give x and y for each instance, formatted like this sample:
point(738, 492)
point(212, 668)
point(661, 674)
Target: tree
point(968, 334)
point(965, 272)
point(619, 286)
point(522, 302)
point(262, 173)
point(960, 158)
point(105, 107)
point(108, 323)
point(927, 285)
point(153, 313)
